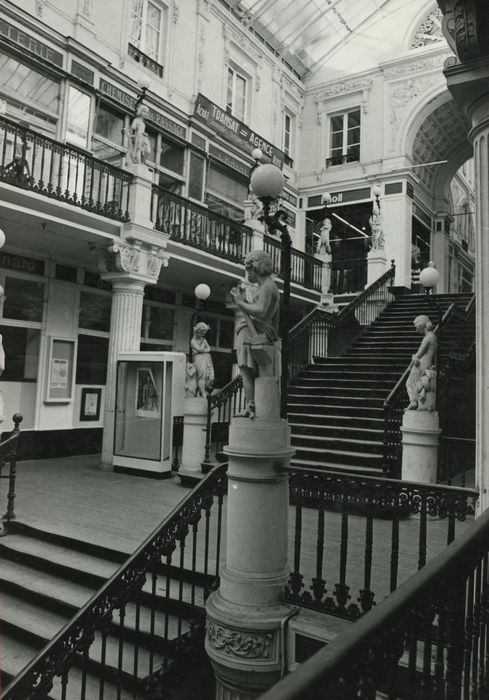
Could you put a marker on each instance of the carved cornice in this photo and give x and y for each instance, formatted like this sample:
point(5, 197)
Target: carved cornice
point(466, 27)
point(133, 260)
point(416, 65)
point(344, 87)
point(238, 643)
point(234, 35)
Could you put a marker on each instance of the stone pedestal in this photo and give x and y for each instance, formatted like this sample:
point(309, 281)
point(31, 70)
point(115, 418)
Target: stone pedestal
point(140, 194)
point(420, 437)
point(193, 449)
point(325, 259)
point(246, 616)
point(376, 265)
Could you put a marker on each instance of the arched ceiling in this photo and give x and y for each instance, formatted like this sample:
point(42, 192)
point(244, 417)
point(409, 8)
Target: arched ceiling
point(308, 32)
point(442, 136)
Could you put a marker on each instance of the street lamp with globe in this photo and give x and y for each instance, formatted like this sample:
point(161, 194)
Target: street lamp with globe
point(201, 292)
point(267, 182)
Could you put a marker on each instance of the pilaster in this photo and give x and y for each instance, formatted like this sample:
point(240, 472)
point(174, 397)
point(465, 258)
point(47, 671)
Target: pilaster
point(397, 211)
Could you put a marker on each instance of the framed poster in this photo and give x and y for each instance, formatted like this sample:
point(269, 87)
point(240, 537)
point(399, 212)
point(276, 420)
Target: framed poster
point(91, 398)
point(60, 370)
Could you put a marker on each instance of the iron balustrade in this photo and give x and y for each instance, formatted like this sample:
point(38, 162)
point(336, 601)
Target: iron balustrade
point(221, 407)
point(354, 519)
point(8, 471)
point(198, 227)
point(309, 339)
point(66, 173)
point(306, 269)
point(133, 637)
point(456, 349)
point(428, 639)
point(145, 60)
point(177, 442)
point(348, 276)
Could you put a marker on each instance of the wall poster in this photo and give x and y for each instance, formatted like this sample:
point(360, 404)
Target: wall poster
point(60, 370)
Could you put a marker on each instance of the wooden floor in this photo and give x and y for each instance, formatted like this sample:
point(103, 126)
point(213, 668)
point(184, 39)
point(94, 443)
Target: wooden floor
point(72, 496)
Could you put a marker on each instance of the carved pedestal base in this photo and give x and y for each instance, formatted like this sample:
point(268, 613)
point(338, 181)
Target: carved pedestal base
point(420, 436)
point(246, 615)
point(193, 449)
point(376, 266)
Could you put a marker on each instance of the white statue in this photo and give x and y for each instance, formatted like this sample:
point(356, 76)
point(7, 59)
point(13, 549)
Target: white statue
point(140, 146)
point(323, 246)
point(375, 221)
point(260, 324)
point(202, 360)
point(190, 380)
point(420, 384)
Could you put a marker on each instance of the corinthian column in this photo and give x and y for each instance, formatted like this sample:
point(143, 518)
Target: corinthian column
point(129, 267)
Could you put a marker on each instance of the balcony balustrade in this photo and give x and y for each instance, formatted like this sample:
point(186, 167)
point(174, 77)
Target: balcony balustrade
point(306, 270)
point(66, 173)
point(145, 60)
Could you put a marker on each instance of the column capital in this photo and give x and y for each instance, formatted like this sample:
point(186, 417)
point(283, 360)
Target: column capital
point(132, 261)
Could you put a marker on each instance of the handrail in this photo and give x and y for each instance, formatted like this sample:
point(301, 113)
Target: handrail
point(299, 260)
point(128, 578)
point(329, 663)
point(346, 311)
point(317, 311)
point(8, 454)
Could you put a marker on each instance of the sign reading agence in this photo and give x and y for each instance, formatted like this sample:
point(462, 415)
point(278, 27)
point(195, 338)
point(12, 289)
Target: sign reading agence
point(234, 130)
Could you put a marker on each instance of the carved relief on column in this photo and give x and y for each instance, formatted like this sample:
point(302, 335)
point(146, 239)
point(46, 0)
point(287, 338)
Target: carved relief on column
point(141, 263)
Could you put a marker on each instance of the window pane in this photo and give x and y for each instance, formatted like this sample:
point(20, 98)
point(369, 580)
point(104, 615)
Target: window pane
point(28, 85)
point(23, 299)
point(337, 123)
point(78, 117)
point(226, 185)
point(152, 46)
point(172, 156)
point(169, 183)
point(354, 136)
point(21, 347)
point(354, 118)
point(136, 22)
point(91, 361)
point(94, 311)
point(240, 97)
point(157, 322)
point(337, 140)
point(196, 176)
point(229, 91)
point(109, 124)
point(353, 154)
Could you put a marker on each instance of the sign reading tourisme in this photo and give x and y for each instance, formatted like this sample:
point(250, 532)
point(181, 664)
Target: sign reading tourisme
point(235, 131)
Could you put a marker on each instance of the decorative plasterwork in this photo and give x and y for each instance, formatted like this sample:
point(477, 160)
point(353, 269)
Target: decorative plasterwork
point(416, 66)
point(243, 645)
point(429, 32)
point(175, 13)
point(230, 34)
point(344, 87)
point(133, 259)
point(401, 95)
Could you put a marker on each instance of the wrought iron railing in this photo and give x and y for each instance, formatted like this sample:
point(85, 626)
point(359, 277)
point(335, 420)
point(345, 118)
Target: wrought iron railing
point(309, 339)
point(221, 407)
point(145, 60)
point(66, 173)
point(348, 276)
point(196, 226)
point(429, 639)
point(356, 317)
point(397, 401)
point(8, 471)
point(364, 528)
point(306, 269)
point(133, 634)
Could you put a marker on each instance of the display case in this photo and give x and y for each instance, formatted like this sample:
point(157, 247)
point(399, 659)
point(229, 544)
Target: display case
point(149, 394)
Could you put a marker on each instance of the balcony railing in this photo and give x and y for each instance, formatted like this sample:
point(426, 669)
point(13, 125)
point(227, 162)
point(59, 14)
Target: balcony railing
point(348, 275)
point(306, 270)
point(196, 226)
point(40, 164)
point(145, 60)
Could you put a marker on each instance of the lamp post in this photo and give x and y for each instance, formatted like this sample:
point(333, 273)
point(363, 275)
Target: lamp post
point(202, 292)
point(267, 181)
point(429, 278)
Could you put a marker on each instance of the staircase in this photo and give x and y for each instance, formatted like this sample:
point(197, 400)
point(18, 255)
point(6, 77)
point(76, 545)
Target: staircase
point(45, 578)
point(335, 406)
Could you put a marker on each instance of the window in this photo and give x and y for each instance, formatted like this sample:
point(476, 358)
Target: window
point(78, 119)
point(23, 299)
point(171, 156)
point(344, 145)
point(288, 138)
point(95, 311)
point(196, 176)
point(91, 359)
point(21, 347)
point(157, 323)
point(146, 27)
point(236, 94)
point(109, 124)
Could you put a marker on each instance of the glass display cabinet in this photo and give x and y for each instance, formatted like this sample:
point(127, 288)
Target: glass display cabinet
point(149, 394)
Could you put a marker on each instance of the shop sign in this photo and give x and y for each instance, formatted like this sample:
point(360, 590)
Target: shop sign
point(21, 264)
point(340, 197)
point(228, 160)
point(289, 198)
point(82, 72)
point(234, 130)
point(167, 124)
point(118, 95)
point(29, 43)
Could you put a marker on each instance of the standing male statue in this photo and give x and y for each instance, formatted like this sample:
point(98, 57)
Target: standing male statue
point(259, 327)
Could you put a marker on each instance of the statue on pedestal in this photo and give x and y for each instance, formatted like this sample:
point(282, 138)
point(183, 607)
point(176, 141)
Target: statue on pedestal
point(323, 246)
point(375, 221)
point(421, 383)
point(201, 359)
point(139, 143)
point(259, 328)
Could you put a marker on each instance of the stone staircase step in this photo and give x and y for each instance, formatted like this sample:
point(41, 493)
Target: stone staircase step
point(334, 466)
point(334, 430)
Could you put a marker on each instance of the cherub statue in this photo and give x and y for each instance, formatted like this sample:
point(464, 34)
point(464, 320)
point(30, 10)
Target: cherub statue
point(261, 318)
point(140, 146)
point(375, 222)
point(202, 360)
point(421, 377)
point(256, 209)
point(323, 245)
